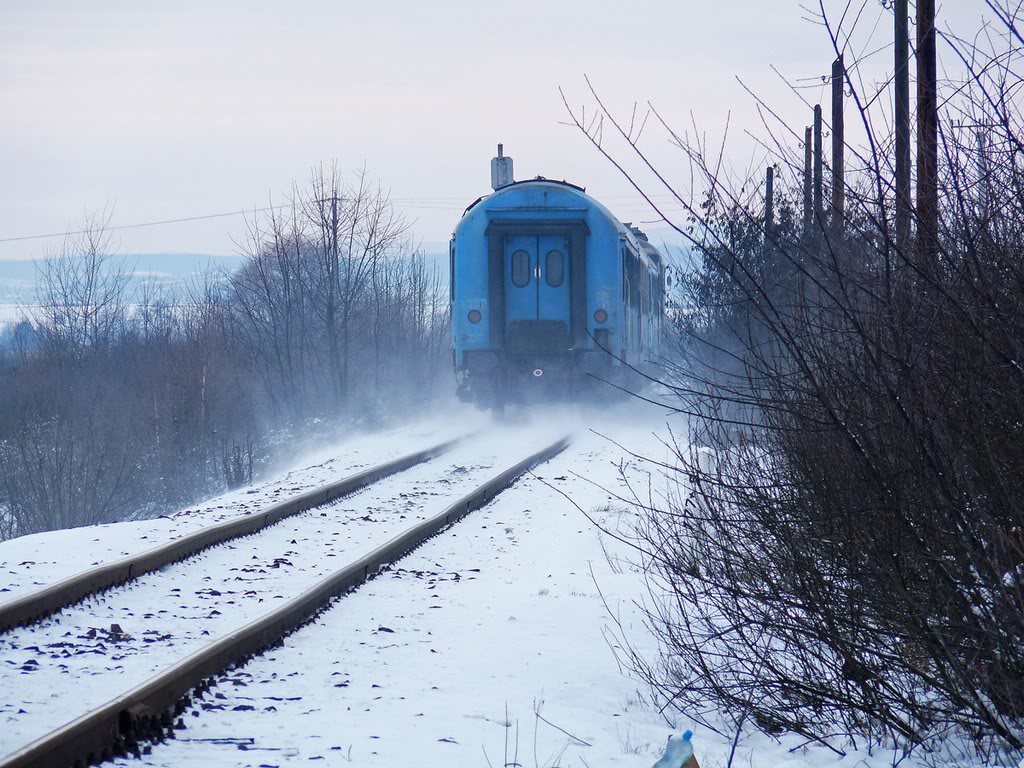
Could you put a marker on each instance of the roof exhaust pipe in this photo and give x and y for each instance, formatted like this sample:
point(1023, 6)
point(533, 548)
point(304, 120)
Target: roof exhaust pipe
point(501, 170)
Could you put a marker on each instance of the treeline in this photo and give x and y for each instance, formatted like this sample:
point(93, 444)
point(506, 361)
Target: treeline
point(122, 401)
point(845, 557)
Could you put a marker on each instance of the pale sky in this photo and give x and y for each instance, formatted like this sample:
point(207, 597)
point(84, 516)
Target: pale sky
point(186, 108)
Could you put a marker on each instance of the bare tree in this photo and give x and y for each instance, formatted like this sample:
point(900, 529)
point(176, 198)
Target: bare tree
point(271, 298)
point(352, 230)
point(82, 291)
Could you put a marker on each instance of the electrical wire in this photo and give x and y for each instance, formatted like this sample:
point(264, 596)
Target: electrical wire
point(450, 203)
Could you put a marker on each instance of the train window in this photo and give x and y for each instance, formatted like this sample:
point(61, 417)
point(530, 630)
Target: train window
point(642, 285)
point(631, 278)
point(634, 280)
point(555, 268)
point(520, 269)
point(625, 276)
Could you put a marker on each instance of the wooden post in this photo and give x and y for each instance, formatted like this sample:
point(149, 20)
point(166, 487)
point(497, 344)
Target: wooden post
point(808, 200)
point(902, 118)
point(927, 137)
point(838, 149)
point(818, 168)
point(769, 212)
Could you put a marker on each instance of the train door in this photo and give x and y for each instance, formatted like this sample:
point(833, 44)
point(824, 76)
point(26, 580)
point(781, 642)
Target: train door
point(553, 279)
point(520, 279)
point(537, 279)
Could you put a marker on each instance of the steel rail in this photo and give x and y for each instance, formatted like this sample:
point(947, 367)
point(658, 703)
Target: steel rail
point(43, 602)
point(147, 711)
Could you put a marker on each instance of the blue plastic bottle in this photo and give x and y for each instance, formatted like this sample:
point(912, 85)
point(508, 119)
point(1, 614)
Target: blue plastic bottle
point(678, 752)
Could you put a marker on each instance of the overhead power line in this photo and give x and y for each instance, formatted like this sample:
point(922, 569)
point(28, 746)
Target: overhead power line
point(139, 226)
point(427, 203)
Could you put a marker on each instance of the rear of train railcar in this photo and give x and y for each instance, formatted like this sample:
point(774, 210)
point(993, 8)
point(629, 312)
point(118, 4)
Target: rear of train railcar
point(548, 287)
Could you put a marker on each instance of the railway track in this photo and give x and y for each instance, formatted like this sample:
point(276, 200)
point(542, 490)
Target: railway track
point(148, 709)
point(43, 602)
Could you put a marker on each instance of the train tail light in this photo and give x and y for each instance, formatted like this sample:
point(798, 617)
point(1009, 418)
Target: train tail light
point(601, 316)
point(474, 316)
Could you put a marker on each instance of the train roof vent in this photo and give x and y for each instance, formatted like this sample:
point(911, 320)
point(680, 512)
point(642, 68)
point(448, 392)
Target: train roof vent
point(640, 235)
point(501, 170)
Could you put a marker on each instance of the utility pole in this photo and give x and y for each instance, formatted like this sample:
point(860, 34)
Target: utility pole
point(927, 137)
point(838, 149)
point(769, 212)
point(818, 168)
point(902, 118)
point(808, 200)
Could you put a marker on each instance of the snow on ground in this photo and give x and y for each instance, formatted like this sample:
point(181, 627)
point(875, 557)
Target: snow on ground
point(120, 638)
point(488, 646)
point(30, 562)
point(491, 645)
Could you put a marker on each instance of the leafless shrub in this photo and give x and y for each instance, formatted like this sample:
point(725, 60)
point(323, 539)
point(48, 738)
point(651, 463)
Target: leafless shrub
point(237, 463)
point(847, 562)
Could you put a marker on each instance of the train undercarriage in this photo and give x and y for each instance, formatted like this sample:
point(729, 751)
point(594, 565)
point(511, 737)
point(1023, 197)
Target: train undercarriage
point(493, 380)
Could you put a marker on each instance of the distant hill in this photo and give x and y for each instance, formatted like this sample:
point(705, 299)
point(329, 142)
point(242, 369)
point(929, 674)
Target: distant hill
point(17, 278)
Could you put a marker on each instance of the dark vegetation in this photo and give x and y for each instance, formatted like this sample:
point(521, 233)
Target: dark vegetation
point(120, 402)
point(845, 559)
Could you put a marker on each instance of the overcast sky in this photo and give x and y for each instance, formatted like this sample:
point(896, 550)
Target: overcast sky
point(178, 109)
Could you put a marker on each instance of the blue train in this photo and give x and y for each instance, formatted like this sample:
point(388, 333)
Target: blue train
point(549, 292)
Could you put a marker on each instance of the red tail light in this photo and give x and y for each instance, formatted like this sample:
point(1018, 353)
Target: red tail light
point(601, 316)
point(474, 316)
